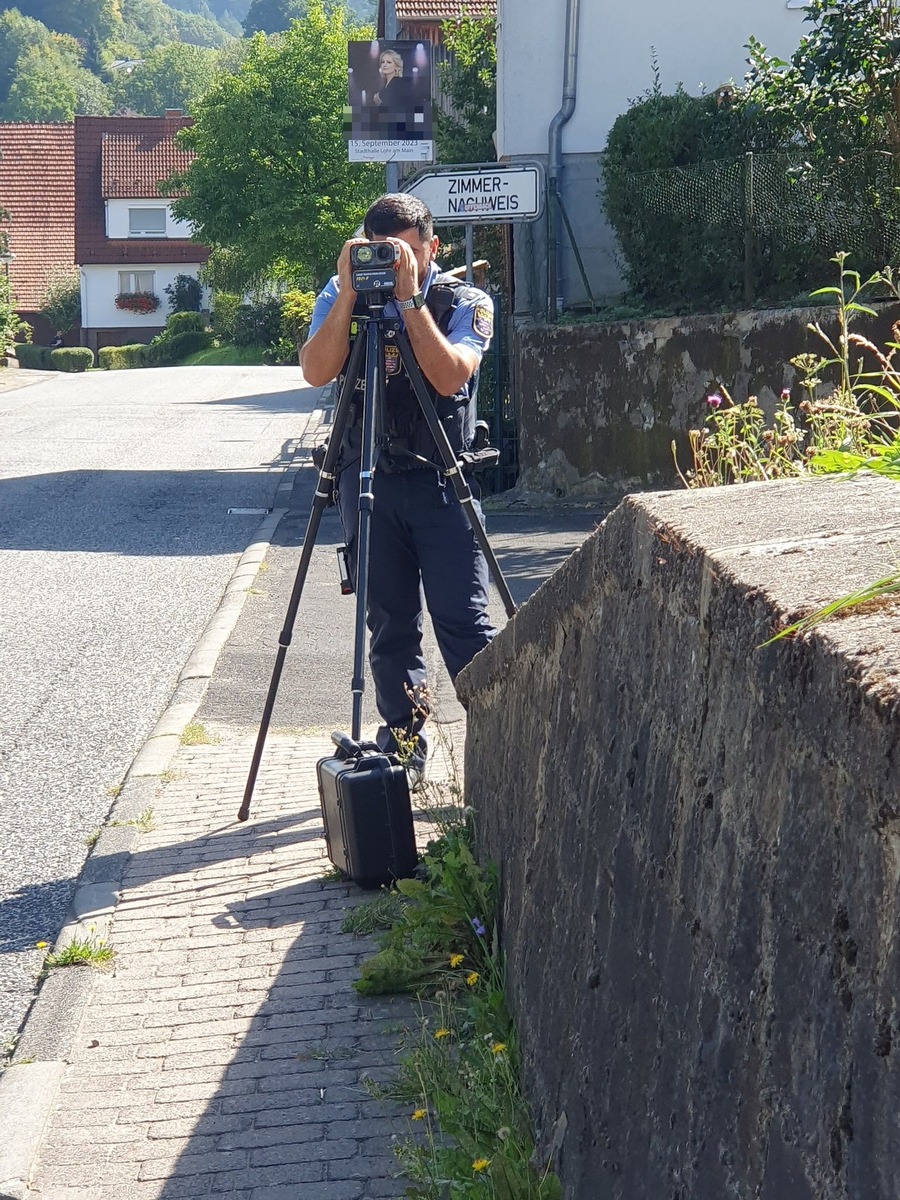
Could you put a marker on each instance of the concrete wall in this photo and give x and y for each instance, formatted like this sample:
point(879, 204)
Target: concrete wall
point(699, 43)
point(699, 848)
point(599, 405)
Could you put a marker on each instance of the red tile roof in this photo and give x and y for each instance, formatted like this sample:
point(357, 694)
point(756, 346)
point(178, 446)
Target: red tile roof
point(134, 163)
point(119, 153)
point(37, 186)
point(443, 10)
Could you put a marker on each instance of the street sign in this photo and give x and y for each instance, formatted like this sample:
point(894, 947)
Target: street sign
point(481, 193)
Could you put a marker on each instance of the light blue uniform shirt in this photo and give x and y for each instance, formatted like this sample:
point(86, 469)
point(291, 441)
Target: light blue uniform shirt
point(471, 323)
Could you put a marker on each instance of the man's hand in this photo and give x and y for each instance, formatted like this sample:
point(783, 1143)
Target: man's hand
point(406, 269)
point(344, 273)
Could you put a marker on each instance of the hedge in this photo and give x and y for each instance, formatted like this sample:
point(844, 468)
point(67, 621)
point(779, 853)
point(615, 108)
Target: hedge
point(168, 348)
point(71, 358)
point(34, 358)
point(186, 322)
point(121, 358)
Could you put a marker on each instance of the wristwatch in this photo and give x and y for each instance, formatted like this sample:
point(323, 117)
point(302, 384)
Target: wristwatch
point(416, 301)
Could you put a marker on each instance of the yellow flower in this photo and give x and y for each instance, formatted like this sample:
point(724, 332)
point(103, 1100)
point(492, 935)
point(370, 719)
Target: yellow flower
point(456, 959)
point(480, 1163)
point(472, 978)
point(41, 945)
point(419, 1114)
point(441, 1033)
point(498, 1047)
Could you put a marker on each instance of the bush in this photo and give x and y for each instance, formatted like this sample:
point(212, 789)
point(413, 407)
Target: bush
point(121, 358)
point(224, 313)
point(296, 314)
point(33, 358)
point(168, 348)
point(182, 322)
point(185, 294)
point(257, 324)
point(72, 358)
point(62, 299)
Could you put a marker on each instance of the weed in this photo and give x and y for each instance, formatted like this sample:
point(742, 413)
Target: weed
point(381, 913)
point(89, 952)
point(327, 1053)
point(143, 822)
point(172, 776)
point(195, 734)
point(333, 875)
point(92, 839)
point(114, 791)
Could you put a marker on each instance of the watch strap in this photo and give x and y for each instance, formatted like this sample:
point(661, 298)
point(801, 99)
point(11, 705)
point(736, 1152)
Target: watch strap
point(416, 301)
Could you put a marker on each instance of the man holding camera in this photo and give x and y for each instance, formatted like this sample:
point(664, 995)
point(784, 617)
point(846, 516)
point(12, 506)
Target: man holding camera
point(420, 535)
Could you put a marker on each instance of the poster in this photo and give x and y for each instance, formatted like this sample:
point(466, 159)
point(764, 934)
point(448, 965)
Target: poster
point(389, 94)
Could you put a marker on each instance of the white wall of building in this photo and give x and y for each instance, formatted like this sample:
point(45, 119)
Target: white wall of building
point(100, 286)
point(117, 224)
point(698, 43)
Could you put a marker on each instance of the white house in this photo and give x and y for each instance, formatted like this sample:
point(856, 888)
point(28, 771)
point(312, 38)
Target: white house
point(126, 238)
point(609, 52)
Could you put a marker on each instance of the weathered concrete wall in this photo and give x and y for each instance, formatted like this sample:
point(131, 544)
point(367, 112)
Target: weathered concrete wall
point(599, 405)
point(699, 845)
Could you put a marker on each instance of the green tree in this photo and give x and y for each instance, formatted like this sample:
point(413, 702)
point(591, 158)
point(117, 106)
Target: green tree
point(172, 76)
point(17, 34)
point(76, 16)
point(62, 300)
point(469, 78)
point(271, 189)
point(272, 16)
point(48, 86)
point(841, 88)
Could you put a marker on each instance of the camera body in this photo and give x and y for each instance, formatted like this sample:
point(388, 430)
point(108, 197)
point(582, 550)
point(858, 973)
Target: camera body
point(372, 266)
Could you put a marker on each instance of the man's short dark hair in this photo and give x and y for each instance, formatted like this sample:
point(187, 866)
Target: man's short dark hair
point(397, 212)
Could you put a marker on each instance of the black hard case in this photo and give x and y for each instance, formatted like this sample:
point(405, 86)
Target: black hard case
point(368, 817)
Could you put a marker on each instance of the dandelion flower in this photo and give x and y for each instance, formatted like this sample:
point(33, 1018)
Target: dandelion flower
point(472, 978)
point(441, 1033)
point(456, 959)
point(41, 945)
point(419, 1114)
point(498, 1047)
point(480, 1163)
point(503, 1133)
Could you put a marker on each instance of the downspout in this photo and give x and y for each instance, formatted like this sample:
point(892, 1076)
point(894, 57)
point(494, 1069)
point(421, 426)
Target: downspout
point(554, 158)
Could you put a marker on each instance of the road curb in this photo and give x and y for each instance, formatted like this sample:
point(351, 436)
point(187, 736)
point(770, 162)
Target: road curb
point(30, 1082)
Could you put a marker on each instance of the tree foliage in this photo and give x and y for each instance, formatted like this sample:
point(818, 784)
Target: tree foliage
point(76, 17)
point(62, 300)
point(841, 88)
point(271, 189)
point(272, 16)
point(172, 76)
point(469, 79)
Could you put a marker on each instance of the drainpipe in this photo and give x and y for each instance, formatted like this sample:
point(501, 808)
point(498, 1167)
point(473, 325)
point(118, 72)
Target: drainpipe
point(554, 168)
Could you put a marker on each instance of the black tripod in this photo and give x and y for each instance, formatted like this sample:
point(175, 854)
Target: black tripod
point(378, 330)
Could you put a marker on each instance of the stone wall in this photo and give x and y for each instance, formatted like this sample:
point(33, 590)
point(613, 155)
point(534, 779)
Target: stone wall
point(599, 405)
point(699, 846)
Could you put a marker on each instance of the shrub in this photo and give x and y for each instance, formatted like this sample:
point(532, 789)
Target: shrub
point(224, 313)
point(120, 358)
point(185, 294)
point(181, 322)
point(168, 348)
point(71, 358)
point(34, 358)
point(257, 324)
point(282, 353)
point(296, 314)
point(62, 300)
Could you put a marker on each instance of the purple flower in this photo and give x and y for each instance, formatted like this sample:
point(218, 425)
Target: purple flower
point(478, 926)
point(714, 400)
point(785, 394)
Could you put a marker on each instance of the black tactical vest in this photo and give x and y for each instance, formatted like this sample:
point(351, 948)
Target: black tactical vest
point(404, 437)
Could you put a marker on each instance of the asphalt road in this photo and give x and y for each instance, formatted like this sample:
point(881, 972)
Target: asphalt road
point(115, 547)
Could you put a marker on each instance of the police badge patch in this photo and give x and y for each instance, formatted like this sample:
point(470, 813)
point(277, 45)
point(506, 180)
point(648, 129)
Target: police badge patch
point(483, 320)
point(391, 360)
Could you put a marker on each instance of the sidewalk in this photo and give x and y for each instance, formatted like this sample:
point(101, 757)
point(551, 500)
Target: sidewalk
point(226, 1052)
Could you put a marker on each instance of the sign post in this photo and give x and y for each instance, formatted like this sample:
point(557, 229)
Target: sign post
point(481, 193)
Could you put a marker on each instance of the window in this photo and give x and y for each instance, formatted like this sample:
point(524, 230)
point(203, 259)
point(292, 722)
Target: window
point(146, 222)
point(137, 281)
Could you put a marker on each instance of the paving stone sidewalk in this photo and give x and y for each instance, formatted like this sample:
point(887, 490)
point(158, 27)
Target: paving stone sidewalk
point(226, 1053)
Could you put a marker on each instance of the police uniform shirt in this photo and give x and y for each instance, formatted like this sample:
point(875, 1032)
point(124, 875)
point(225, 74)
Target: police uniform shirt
point(471, 323)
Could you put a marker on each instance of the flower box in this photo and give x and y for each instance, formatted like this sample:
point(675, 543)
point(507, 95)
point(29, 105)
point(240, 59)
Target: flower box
point(139, 302)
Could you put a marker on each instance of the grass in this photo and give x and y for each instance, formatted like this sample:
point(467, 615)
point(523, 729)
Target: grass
point(195, 734)
point(80, 952)
point(225, 356)
point(143, 822)
point(381, 913)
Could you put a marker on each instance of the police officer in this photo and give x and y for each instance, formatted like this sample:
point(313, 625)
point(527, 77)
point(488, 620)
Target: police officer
point(420, 538)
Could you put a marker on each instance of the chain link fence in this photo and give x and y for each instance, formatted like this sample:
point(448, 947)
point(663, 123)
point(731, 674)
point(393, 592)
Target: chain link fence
point(767, 224)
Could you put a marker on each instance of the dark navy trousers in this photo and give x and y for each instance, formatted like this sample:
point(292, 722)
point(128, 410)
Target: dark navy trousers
point(421, 541)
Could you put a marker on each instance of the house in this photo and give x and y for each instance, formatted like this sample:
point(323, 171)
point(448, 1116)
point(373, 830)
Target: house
point(699, 43)
point(37, 188)
point(421, 20)
point(128, 245)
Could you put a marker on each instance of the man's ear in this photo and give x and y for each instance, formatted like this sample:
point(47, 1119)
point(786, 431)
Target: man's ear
point(435, 242)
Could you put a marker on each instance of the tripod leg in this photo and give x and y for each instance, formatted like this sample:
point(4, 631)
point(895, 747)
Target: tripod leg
point(453, 468)
point(372, 404)
point(320, 503)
